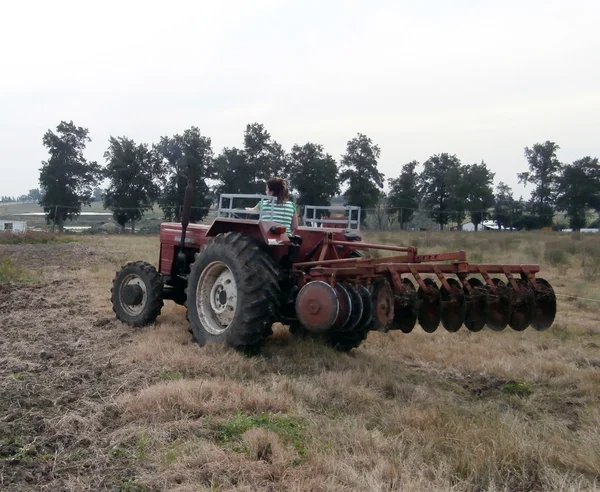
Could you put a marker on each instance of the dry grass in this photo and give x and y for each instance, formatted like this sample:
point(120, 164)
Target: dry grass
point(485, 411)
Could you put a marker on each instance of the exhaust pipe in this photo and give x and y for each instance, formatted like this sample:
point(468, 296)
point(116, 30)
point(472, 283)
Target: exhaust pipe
point(186, 212)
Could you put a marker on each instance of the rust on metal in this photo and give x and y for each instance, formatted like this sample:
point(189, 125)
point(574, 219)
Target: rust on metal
point(317, 306)
point(383, 304)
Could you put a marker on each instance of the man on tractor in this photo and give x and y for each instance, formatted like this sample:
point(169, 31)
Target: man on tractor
point(284, 210)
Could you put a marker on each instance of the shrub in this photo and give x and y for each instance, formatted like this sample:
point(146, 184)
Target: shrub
point(33, 237)
point(9, 272)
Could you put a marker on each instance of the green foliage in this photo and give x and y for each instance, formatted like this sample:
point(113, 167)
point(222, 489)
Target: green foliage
point(544, 173)
point(507, 210)
point(234, 173)
point(170, 375)
point(359, 170)
point(10, 272)
point(313, 174)
point(264, 156)
point(477, 181)
point(67, 177)
point(133, 171)
point(578, 190)
point(516, 388)
point(439, 183)
point(290, 429)
point(178, 154)
point(403, 197)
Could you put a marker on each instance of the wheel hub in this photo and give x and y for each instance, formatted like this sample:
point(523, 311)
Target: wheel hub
point(216, 298)
point(133, 295)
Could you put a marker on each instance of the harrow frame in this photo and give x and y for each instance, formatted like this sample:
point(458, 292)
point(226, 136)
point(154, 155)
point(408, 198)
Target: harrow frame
point(513, 303)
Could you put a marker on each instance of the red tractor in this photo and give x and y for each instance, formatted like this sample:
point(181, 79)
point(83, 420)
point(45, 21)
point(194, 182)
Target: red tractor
point(239, 275)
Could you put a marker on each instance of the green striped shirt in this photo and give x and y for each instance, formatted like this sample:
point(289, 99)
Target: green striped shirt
point(282, 213)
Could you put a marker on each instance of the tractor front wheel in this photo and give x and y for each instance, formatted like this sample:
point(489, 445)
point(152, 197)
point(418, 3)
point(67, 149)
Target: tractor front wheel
point(136, 294)
point(233, 293)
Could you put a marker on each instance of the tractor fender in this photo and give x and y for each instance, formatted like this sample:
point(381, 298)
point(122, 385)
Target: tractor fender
point(267, 233)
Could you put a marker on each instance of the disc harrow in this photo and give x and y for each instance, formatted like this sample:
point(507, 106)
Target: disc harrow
point(397, 292)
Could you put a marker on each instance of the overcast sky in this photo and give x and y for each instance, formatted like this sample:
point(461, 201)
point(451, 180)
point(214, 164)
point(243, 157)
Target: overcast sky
point(480, 79)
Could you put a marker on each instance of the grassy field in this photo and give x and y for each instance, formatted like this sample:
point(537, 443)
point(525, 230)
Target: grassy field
point(91, 404)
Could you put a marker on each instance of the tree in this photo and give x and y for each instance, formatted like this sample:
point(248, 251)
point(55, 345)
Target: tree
point(233, 172)
point(176, 154)
point(359, 165)
point(544, 173)
point(314, 175)
point(98, 194)
point(507, 210)
point(404, 193)
point(264, 156)
point(479, 195)
point(35, 195)
point(67, 177)
point(439, 182)
point(234, 175)
point(579, 189)
point(381, 211)
point(133, 171)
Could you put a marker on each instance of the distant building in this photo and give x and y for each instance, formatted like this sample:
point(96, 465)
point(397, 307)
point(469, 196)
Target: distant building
point(486, 225)
point(13, 226)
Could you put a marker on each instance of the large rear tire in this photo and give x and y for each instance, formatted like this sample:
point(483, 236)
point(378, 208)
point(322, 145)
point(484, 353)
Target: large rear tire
point(233, 293)
point(136, 294)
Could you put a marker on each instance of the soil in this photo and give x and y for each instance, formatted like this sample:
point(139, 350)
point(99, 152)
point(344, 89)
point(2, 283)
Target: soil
point(54, 377)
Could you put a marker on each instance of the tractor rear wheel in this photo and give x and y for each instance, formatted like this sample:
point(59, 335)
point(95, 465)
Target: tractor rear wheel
point(136, 294)
point(233, 293)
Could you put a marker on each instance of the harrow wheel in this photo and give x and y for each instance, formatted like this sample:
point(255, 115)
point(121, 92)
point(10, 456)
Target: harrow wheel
point(405, 309)
point(500, 306)
point(476, 306)
point(545, 305)
point(523, 309)
point(430, 306)
point(453, 306)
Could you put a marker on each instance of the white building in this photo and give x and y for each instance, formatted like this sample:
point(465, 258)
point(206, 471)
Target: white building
point(12, 226)
point(486, 225)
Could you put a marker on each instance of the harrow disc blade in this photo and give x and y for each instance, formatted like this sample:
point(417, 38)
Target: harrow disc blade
point(545, 305)
point(356, 310)
point(317, 306)
point(345, 307)
point(430, 306)
point(367, 313)
point(382, 298)
point(405, 309)
point(523, 309)
point(500, 306)
point(453, 306)
point(477, 305)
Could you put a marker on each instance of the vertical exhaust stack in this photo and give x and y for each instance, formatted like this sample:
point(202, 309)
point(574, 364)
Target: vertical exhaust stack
point(187, 211)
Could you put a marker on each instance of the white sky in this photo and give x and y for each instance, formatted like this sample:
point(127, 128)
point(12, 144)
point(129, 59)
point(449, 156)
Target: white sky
point(481, 79)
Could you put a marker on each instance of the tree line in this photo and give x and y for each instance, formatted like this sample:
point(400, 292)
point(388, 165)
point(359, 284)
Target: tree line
point(140, 175)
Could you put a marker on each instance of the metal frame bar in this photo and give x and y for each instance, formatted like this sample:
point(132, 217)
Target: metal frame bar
point(227, 211)
point(365, 268)
point(333, 208)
